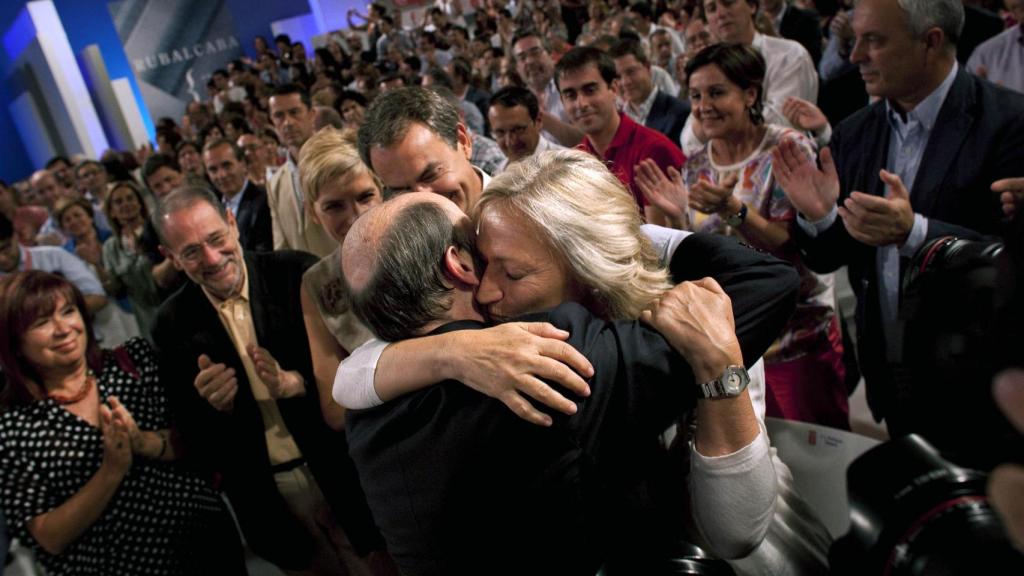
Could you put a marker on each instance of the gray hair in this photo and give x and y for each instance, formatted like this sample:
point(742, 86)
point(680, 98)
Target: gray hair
point(587, 217)
point(388, 118)
point(408, 287)
point(180, 199)
point(946, 15)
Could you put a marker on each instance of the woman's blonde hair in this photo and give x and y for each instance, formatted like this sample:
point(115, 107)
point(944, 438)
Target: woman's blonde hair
point(328, 156)
point(589, 219)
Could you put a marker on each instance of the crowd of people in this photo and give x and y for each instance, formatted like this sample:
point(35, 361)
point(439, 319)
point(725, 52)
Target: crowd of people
point(509, 291)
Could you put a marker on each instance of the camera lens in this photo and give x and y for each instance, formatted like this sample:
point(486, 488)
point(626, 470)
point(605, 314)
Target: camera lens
point(914, 513)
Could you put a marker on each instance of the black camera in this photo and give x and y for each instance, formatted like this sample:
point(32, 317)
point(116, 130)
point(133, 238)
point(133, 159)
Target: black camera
point(913, 513)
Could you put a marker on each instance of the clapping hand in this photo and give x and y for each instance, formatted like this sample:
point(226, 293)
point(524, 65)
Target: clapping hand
point(117, 448)
point(812, 191)
point(281, 383)
point(877, 221)
point(667, 192)
point(804, 115)
point(216, 383)
point(711, 198)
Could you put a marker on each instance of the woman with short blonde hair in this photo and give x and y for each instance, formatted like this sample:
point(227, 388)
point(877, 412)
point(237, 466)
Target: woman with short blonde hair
point(339, 188)
point(589, 219)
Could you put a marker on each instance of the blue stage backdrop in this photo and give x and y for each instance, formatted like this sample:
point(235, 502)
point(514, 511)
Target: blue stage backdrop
point(174, 46)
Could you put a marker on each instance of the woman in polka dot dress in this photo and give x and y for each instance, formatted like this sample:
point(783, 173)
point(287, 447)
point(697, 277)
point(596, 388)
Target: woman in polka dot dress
point(86, 471)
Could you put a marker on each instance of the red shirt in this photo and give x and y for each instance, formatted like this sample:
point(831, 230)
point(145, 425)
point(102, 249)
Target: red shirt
point(631, 144)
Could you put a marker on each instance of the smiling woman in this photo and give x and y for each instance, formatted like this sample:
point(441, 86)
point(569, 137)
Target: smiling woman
point(728, 188)
point(339, 189)
point(95, 420)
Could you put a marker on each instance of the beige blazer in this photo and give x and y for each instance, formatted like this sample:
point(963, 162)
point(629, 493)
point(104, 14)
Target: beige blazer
point(293, 227)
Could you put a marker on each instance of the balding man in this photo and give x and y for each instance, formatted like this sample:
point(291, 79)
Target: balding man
point(916, 165)
point(234, 354)
point(478, 483)
point(50, 189)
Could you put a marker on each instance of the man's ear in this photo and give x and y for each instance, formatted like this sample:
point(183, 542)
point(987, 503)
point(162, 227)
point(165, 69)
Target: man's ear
point(459, 266)
point(463, 139)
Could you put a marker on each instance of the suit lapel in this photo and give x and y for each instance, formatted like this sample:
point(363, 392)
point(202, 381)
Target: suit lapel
point(256, 302)
point(951, 129)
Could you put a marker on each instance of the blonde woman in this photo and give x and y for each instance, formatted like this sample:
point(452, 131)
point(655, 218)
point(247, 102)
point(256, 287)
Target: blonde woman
point(339, 188)
point(561, 227)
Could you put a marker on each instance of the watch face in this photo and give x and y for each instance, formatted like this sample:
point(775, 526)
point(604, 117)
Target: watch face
point(733, 384)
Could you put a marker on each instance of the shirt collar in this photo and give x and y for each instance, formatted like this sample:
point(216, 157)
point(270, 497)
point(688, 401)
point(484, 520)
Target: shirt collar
point(927, 111)
point(644, 108)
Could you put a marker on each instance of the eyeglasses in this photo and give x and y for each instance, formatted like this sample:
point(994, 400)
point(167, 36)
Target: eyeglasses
point(194, 252)
point(529, 53)
point(514, 131)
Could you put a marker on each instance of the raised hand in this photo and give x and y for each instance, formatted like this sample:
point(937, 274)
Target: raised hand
point(667, 192)
point(879, 221)
point(511, 360)
point(125, 420)
point(117, 449)
point(804, 115)
point(711, 198)
point(281, 383)
point(216, 383)
point(812, 191)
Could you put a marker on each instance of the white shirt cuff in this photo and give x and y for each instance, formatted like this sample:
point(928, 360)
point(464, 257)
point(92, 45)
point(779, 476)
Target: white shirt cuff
point(353, 383)
point(665, 240)
point(918, 234)
point(818, 226)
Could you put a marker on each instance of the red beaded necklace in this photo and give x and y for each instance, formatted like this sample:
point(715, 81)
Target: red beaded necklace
point(90, 381)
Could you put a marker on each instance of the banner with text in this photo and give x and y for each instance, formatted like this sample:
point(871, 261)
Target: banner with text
point(174, 47)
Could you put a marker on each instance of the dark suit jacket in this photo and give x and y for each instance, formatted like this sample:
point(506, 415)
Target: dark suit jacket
point(233, 444)
point(460, 485)
point(978, 138)
point(979, 25)
point(803, 26)
point(255, 227)
point(668, 115)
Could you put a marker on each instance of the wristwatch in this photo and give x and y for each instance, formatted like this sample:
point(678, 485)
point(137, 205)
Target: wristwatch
point(736, 220)
point(729, 385)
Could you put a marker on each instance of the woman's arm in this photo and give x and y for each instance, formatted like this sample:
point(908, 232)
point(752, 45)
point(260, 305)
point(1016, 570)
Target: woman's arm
point(756, 229)
point(327, 355)
point(57, 529)
point(732, 483)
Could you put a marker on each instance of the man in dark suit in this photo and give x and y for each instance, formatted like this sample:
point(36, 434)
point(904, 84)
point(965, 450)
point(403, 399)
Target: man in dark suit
point(979, 26)
point(796, 24)
point(235, 359)
point(458, 484)
point(225, 166)
point(645, 103)
point(916, 165)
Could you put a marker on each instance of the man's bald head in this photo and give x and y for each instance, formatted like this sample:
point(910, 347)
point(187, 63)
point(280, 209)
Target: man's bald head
point(45, 185)
point(392, 262)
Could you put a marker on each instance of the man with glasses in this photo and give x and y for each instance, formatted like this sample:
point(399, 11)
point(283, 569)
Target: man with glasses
point(538, 71)
point(91, 182)
point(234, 354)
point(516, 124)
